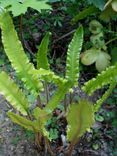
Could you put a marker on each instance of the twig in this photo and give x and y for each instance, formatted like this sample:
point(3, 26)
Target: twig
point(46, 91)
point(69, 33)
point(111, 40)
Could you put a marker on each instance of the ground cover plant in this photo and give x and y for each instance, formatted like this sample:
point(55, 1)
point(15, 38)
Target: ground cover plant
point(36, 81)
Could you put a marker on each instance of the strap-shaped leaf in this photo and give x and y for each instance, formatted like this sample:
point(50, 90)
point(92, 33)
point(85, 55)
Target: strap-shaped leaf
point(49, 76)
point(42, 60)
point(13, 94)
point(28, 124)
point(80, 118)
point(102, 79)
point(72, 71)
point(105, 96)
point(15, 52)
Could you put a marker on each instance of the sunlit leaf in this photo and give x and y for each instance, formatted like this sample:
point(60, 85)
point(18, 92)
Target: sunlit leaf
point(89, 56)
point(19, 7)
point(102, 61)
point(114, 5)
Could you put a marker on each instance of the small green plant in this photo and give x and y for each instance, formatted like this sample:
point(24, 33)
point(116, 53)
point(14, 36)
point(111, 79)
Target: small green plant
point(98, 52)
point(79, 116)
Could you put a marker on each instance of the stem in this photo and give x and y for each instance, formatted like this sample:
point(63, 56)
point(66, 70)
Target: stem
point(64, 36)
point(48, 146)
point(71, 147)
point(46, 92)
point(111, 40)
point(65, 103)
point(70, 98)
point(38, 138)
point(39, 102)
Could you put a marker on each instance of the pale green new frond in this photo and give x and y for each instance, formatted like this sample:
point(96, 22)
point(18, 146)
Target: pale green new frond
point(28, 124)
point(12, 93)
point(72, 65)
point(104, 78)
point(49, 76)
point(16, 54)
point(42, 60)
point(80, 118)
point(57, 97)
point(105, 96)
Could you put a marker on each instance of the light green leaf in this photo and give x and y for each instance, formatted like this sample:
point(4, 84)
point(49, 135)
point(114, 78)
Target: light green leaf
point(89, 56)
point(28, 124)
point(102, 61)
point(41, 116)
point(42, 60)
point(102, 79)
point(80, 118)
point(105, 95)
point(19, 7)
point(37, 4)
point(72, 65)
point(114, 5)
point(13, 94)
point(15, 52)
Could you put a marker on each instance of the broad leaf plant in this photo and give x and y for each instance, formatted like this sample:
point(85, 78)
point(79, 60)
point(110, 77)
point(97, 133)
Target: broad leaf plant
point(79, 116)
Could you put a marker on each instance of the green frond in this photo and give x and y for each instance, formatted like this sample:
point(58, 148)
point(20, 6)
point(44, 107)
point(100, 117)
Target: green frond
point(105, 96)
point(57, 97)
point(80, 118)
point(13, 94)
point(28, 124)
point(16, 54)
point(49, 76)
point(72, 65)
point(104, 78)
point(42, 60)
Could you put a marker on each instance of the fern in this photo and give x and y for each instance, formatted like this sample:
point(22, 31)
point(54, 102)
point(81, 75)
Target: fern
point(80, 117)
point(105, 96)
point(42, 53)
point(15, 53)
point(28, 124)
point(13, 94)
point(49, 76)
point(72, 71)
point(106, 77)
